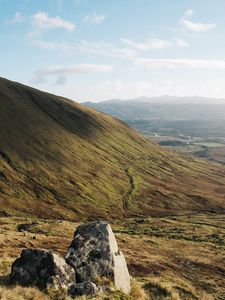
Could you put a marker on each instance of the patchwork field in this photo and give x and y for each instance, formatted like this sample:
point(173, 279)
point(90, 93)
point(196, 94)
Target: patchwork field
point(175, 257)
point(213, 151)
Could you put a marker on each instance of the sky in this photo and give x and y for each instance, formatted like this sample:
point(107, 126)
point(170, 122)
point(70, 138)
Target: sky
point(94, 50)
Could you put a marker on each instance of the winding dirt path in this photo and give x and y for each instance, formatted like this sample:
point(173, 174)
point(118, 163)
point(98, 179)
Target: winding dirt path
point(130, 191)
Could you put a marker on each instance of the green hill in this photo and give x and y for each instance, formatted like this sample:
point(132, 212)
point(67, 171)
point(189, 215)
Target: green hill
point(59, 159)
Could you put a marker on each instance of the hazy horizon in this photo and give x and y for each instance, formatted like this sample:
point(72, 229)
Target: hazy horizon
point(160, 97)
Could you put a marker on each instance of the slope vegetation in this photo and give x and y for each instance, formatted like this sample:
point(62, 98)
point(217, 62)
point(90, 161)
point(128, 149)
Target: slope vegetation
point(59, 159)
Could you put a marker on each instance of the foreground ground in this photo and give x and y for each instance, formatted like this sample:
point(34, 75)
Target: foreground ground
point(176, 257)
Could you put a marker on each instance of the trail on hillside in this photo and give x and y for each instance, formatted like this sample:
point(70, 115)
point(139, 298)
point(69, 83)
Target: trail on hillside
point(130, 190)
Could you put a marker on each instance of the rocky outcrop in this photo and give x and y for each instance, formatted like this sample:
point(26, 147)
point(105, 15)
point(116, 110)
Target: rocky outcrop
point(94, 253)
point(42, 268)
point(93, 264)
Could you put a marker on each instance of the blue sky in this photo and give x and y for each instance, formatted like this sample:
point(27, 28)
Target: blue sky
point(92, 50)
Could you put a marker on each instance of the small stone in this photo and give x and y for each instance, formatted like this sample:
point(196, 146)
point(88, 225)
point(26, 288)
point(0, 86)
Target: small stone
point(83, 289)
point(26, 227)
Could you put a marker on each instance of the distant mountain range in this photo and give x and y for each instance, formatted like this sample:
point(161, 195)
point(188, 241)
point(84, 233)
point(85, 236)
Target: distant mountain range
point(60, 159)
point(165, 108)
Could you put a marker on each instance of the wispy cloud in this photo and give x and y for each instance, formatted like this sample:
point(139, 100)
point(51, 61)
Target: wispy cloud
point(153, 44)
point(155, 64)
point(132, 49)
point(181, 43)
point(41, 22)
point(94, 18)
point(147, 45)
point(195, 26)
point(61, 71)
point(106, 49)
point(62, 46)
point(188, 13)
point(17, 18)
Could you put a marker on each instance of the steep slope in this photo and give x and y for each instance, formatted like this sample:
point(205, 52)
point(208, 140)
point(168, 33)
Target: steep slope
point(59, 159)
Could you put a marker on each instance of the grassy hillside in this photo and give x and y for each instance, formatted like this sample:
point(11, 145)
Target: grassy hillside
point(59, 159)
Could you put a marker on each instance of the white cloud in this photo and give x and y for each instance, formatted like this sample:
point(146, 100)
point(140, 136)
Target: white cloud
point(107, 49)
point(189, 13)
point(131, 51)
point(155, 64)
point(94, 18)
point(17, 18)
point(147, 45)
point(61, 71)
point(181, 43)
point(62, 46)
point(41, 22)
point(155, 44)
point(195, 26)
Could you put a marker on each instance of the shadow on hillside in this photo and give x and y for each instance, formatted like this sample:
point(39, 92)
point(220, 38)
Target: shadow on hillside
point(68, 114)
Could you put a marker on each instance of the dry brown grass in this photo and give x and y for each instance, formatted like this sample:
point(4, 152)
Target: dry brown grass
point(177, 258)
point(137, 291)
point(59, 294)
point(21, 293)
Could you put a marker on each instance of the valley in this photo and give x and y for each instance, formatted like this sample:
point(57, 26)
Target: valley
point(188, 125)
point(195, 138)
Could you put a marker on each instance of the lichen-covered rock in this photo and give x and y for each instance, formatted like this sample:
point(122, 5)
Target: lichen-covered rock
point(83, 289)
point(94, 253)
point(42, 268)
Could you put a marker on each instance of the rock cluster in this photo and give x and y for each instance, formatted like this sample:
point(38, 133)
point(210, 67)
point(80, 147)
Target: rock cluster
point(93, 262)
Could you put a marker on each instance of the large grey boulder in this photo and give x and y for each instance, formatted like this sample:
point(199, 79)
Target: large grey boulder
point(42, 268)
point(94, 253)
